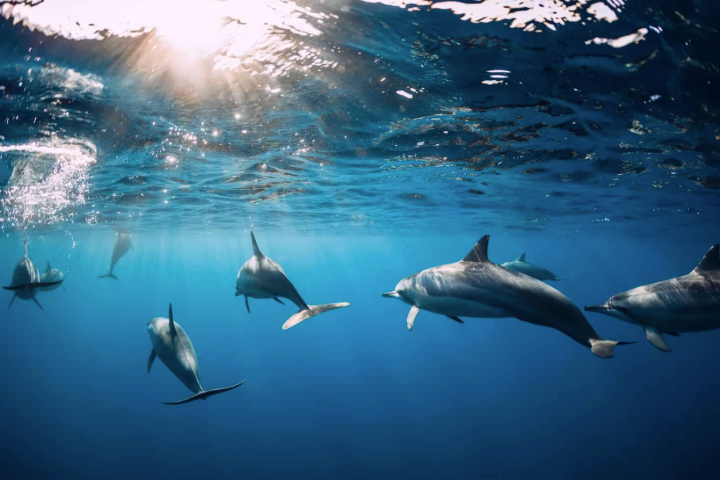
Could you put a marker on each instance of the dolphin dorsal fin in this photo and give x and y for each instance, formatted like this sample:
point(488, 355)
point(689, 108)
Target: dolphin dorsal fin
point(479, 251)
point(711, 260)
point(48, 267)
point(173, 331)
point(25, 245)
point(521, 258)
point(256, 249)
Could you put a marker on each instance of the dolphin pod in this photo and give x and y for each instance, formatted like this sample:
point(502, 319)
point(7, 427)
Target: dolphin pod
point(473, 287)
point(176, 351)
point(690, 303)
point(27, 281)
point(476, 287)
point(262, 277)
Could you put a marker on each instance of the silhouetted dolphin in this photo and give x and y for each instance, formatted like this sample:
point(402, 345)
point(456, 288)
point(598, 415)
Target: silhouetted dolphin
point(262, 277)
point(690, 303)
point(476, 287)
point(52, 276)
point(123, 244)
point(26, 280)
point(176, 351)
point(536, 271)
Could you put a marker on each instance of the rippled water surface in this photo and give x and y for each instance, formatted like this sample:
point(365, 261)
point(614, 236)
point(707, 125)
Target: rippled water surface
point(552, 116)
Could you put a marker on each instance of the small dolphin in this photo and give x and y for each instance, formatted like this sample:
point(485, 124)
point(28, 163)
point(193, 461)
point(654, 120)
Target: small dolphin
point(123, 244)
point(476, 287)
point(536, 271)
point(52, 276)
point(26, 280)
point(176, 351)
point(262, 277)
point(690, 303)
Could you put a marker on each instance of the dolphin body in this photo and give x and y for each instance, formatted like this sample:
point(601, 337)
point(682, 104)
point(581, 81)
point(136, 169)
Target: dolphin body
point(536, 271)
point(176, 351)
point(690, 303)
point(123, 244)
point(262, 277)
point(476, 287)
point(52, 276)
point(26, 280)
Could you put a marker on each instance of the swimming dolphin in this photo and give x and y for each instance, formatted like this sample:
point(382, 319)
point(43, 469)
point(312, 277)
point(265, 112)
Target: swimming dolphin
point(53, 276)
point(262, 277)
point(123, 244)
point(176, 351)
point(26, 280)
point(536, 271)
point(690, 303)
point(476, 287)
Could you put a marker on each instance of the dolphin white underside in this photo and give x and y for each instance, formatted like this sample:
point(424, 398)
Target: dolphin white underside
point(688, 322)
point(451, 306)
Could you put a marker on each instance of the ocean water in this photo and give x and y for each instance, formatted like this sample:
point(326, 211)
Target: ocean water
point(361, 142)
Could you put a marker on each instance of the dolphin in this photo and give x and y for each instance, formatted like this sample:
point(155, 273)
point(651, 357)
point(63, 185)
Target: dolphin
point(53, 276)
point(262, 277)
point(476, 287)
point(26, 280)
point(176, 351)
point(690, 303)
point(123, 244)
point(536, 271)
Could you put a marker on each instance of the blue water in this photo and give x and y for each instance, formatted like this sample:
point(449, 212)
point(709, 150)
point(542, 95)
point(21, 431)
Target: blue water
point(361, 142)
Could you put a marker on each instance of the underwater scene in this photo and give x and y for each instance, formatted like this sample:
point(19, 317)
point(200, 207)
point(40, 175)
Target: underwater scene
point(359, 239)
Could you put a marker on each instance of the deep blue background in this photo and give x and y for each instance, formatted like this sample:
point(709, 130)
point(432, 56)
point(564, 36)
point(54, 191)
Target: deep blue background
point(351, 393)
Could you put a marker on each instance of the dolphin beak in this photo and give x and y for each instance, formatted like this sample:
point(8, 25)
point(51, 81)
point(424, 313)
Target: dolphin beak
point(391, 295)
point(598, 308)
point(237, 293)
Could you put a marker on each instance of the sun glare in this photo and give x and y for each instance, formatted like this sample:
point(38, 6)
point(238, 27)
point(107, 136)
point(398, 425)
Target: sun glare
point(183, 33)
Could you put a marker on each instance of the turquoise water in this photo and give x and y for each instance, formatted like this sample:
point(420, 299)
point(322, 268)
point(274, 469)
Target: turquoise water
point(350, 393)
point(361, 142)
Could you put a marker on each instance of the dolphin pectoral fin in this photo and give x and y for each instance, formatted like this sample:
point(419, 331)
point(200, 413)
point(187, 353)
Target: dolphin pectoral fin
point(411, 316)
point(247, 304)
point(38, 303)
point(279, 301)
point(457, 319)
point(12, 300)
point(205, 394)
point(655, 337)
point(604, 348)
point(151, 360)
point(311, 311)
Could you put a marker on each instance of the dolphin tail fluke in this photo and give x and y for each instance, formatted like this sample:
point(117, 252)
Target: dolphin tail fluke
point(311, 311)
point(109, 275)
point(604, 348)
point(205, 394)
